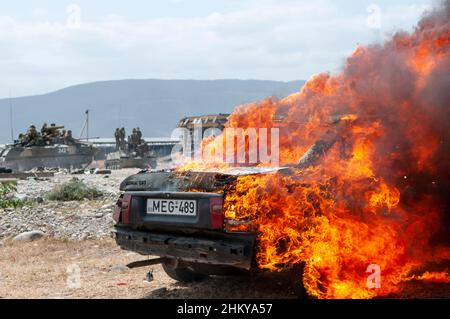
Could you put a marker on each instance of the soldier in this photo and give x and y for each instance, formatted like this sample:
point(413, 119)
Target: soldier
point(122, 138)
point(68, 139)
point(139, 134)
point(117, 137)
point(130, 144)
point(31, 137)
point(44, 133)
point(20, 140)
point(44, 129)
point(134, 139)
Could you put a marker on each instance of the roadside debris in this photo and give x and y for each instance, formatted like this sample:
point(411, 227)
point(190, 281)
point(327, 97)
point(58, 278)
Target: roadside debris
point(36, 175)
point(96, 171)
point(102, 171)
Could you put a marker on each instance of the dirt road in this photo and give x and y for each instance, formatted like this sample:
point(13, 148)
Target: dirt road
point(48, 268)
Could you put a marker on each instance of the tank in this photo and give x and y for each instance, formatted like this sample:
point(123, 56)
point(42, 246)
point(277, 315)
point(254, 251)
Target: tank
point(121, 159)
point(22, 158)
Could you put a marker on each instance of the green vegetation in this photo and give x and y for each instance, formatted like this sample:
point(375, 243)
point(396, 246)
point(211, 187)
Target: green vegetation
point(74, 190)
point(7, 201)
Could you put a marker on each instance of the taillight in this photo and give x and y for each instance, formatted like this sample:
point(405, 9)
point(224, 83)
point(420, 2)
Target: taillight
point(215, 204)
point(121, 214)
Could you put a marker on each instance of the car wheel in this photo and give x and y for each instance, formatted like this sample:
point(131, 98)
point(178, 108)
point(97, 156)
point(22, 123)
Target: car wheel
point(182, 273)
point(310, 275)
point(298, 280)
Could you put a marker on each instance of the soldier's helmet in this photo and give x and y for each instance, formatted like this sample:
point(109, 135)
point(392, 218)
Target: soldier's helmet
point(32, 126)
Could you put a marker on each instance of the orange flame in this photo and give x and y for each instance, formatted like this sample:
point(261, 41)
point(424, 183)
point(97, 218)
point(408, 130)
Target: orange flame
point(440, 277)
point(379, 195)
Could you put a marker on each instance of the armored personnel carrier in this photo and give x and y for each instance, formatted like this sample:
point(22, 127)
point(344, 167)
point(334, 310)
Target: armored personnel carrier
point(121, 159)
point(52, 147)
point(133, 153)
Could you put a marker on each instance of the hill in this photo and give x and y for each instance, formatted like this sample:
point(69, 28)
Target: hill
point(153, 105)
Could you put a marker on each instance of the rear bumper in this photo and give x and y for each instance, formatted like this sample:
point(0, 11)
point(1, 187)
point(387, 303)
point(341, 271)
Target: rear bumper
point(233, 250)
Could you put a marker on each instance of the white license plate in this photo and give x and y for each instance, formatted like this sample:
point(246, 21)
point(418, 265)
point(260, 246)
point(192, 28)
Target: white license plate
point(176, 207)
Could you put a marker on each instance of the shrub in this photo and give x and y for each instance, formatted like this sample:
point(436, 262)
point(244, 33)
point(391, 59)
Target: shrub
point(6, 201)
point(74, 189)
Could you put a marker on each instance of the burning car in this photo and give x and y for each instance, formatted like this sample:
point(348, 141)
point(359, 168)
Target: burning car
point(180, 217)
point(183, 217)
point(366, 208)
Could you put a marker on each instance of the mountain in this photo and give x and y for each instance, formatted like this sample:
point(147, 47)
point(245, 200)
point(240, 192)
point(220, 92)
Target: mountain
point(153, 105)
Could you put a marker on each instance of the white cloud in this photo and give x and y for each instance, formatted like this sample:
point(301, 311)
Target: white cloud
point(270, 40)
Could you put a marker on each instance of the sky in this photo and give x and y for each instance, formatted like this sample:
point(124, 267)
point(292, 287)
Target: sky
point(46, 45)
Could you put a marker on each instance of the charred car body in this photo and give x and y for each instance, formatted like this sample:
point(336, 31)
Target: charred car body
point(160, 214)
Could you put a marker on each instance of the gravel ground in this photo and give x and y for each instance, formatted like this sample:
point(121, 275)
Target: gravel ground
point(78, 236)
point(74, 220)
point(78, 241)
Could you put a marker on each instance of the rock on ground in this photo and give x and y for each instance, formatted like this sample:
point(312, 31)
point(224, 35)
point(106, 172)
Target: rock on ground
point(29, 235)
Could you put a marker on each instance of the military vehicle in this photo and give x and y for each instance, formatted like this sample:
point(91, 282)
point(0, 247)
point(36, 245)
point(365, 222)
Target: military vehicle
point(52, 147)
point(133, 153)
point(121, 159)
